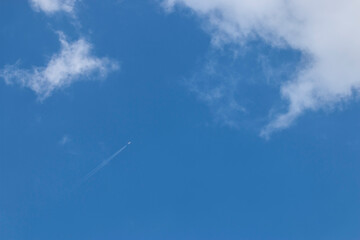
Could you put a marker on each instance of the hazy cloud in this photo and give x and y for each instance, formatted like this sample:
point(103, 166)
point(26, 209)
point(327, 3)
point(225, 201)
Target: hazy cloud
point(64, 140)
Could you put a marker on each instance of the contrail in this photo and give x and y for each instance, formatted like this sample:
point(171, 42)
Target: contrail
point(104, 163)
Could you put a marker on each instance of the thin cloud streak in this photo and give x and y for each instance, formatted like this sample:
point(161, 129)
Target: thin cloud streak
point(104, 163)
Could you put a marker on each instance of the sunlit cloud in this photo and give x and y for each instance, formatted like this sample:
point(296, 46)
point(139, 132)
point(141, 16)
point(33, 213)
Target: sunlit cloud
point(325, 32)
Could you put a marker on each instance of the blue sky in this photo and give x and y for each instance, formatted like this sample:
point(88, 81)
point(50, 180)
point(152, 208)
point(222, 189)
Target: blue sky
point(222, 147)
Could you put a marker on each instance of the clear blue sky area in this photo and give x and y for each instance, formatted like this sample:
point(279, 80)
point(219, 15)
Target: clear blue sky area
point(186, 175)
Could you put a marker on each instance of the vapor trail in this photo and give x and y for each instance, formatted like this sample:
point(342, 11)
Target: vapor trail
point(104, 163)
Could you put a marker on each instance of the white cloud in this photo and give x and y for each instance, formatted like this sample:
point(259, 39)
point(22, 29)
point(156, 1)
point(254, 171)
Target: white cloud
point(74, 62)
point(325, 31)
point(52, 6)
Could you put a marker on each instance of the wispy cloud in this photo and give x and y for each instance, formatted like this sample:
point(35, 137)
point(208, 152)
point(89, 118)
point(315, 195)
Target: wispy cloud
point(217, 87)
point(326, 32)
point(53, 6)
point(74, 62)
